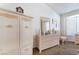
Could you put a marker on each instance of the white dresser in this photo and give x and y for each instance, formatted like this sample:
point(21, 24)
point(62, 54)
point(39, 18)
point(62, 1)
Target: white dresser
point(47, 38)
point(48, 41)
point(16, 36)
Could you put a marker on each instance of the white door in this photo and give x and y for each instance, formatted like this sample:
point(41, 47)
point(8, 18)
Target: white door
point(8, 36)
point(26, 37)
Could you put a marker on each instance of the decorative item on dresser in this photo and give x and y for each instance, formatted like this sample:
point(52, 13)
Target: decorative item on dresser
point(77, 39)
point(16, 36)
point(47, 38)
point(19, 10)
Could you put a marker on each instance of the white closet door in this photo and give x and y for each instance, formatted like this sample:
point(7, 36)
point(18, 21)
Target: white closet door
point(8, 35)
point(2, 34)
point(71, 26)
point(26, 36)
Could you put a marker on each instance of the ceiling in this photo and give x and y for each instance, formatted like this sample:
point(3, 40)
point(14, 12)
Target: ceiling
point(62, 8)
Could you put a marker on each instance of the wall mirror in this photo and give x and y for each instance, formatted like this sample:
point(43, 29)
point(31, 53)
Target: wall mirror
point(45, 26)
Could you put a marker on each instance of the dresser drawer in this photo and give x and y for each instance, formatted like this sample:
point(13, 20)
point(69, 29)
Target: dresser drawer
point(49, 39)
point(49, 44)
point(27, 50)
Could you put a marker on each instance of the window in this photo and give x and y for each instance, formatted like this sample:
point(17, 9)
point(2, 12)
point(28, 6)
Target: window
point(72, 25)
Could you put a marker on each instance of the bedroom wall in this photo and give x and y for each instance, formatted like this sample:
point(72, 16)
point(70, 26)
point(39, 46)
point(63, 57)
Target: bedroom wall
point(35, 10)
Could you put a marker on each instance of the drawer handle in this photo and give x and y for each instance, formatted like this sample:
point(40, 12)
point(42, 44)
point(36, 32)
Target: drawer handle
point(9, 26)
point(26, 49)
point(26, 26)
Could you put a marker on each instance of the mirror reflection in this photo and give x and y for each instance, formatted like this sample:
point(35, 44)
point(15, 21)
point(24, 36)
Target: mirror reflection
point(45, 24)
point(47, 29)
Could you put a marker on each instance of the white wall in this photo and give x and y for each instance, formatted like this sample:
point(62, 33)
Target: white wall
point(35, 10)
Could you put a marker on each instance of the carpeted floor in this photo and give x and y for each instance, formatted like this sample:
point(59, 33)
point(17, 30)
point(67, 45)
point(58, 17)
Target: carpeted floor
point(68, 48)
